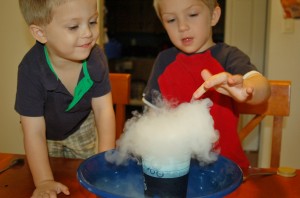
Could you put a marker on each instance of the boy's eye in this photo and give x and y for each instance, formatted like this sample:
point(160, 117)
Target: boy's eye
point(170, 20)
point(194, 15)
point(93, 22)
point(73, 27)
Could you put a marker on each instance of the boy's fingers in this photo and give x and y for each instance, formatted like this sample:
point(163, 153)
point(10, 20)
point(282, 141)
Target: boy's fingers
point(235, 79)
point(199, 92)
point(249, 90)
point(62, 188)
point(51, 194)
point(210, 81)
point(205, 74)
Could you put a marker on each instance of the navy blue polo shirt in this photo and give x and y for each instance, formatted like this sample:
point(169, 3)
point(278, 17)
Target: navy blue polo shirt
point(40, 93)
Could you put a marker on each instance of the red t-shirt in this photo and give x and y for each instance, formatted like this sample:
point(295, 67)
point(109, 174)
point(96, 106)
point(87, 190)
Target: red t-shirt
point(177, 75)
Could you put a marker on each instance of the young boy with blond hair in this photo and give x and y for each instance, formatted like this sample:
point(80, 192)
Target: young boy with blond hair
point(197, 68)
point(63, 89)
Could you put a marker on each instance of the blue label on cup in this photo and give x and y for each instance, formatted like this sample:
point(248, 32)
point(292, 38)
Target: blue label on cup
point(172, 170)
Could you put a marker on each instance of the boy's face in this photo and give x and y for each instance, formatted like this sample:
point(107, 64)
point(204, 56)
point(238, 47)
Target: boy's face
point(189, 23)
point(73, 30)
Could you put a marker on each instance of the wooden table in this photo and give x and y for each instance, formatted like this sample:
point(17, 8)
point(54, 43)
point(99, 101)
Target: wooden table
point(17, 182)
point(273, 186)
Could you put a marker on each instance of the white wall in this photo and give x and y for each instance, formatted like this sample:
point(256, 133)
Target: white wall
point(245, 28)
point(15, 41)
point(283, 63)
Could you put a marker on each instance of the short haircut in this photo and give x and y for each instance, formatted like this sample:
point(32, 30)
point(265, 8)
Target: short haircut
point(211, 4)
point(38, 12)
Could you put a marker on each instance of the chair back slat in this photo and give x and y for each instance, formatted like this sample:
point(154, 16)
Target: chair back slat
point(278, 106)
point(278, 103)
point(120, 88)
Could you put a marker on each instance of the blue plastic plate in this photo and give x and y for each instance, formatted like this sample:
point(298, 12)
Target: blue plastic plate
point(110, 181)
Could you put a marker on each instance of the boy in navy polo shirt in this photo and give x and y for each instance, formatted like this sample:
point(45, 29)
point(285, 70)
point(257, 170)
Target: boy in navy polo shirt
point(63, 92)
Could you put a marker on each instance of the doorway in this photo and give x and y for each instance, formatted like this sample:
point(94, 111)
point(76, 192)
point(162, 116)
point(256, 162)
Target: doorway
point(245, 28)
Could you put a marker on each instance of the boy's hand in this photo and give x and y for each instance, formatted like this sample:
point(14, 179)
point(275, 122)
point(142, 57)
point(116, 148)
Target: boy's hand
point(50, 189)
point(224, 83)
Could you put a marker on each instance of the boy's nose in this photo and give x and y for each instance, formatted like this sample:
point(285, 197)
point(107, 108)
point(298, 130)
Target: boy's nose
point(182, 26)
point(87, 32)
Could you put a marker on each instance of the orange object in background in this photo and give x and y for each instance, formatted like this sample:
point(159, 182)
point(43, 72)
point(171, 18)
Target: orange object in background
point(291, 8)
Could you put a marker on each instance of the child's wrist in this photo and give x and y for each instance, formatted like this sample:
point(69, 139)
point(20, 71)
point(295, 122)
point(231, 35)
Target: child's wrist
point(250, 74)
point(42, 182)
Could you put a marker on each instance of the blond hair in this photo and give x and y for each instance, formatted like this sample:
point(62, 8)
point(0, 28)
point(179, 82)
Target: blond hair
point(211, 4)
point(38, 12)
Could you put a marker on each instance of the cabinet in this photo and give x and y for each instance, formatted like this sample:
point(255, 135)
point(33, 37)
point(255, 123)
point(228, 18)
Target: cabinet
point(135, 26)
point(132, 16)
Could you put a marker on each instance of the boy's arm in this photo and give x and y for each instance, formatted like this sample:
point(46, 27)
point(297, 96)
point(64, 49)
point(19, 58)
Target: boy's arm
point(261, 88)
point(252, 89)
point(105, 122)
point(36, 148)
point(37, 156)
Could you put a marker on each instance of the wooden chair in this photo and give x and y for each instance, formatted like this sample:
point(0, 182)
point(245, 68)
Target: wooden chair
point(120, 88)
point(277, 106)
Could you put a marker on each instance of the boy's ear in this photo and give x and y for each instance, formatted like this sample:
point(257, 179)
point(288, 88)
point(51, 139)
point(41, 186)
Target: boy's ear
point(215, 15)
point(38, 33)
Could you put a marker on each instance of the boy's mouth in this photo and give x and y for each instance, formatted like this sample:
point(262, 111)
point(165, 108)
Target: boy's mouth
point(86, 45)
point(187, 40)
